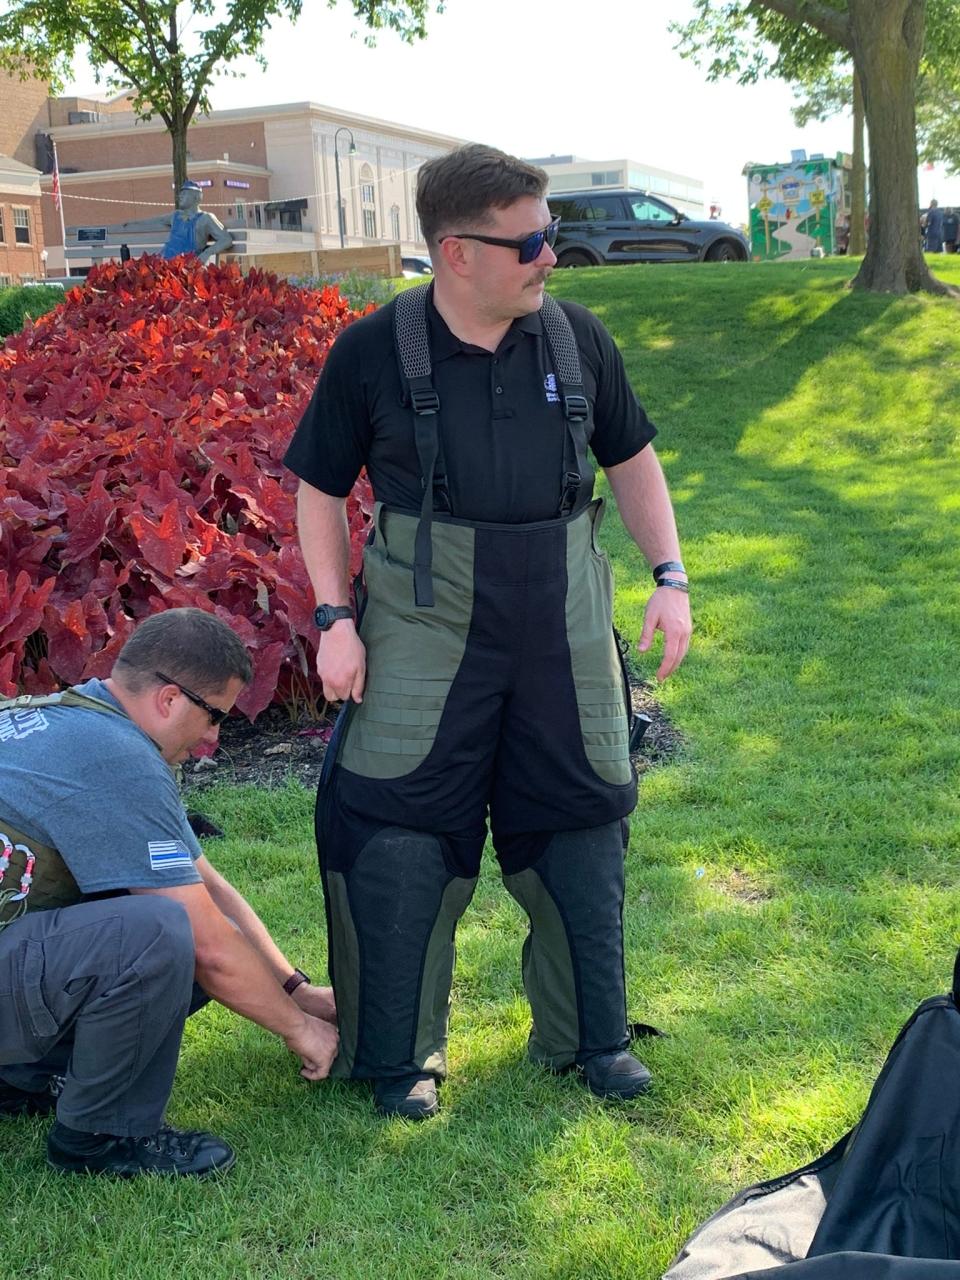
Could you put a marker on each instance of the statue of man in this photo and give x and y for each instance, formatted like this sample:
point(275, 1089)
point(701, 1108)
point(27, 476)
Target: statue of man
point(190, 230)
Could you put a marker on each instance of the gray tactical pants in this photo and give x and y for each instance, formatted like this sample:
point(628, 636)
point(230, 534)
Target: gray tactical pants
point(98, 993)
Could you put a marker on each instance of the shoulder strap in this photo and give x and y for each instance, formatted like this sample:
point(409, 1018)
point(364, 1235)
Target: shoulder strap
point(565, 356)
point(62, 698)
point(412, 342)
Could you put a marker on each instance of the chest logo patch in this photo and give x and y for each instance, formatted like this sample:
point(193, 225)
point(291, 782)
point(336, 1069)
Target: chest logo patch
point(20, 724)
point(550, 387)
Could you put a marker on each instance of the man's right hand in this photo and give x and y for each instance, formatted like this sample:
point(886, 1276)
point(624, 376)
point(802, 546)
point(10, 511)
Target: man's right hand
point(315, 1044)
point(342, 662)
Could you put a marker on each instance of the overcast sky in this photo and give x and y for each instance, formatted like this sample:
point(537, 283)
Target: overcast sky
point(598, 79)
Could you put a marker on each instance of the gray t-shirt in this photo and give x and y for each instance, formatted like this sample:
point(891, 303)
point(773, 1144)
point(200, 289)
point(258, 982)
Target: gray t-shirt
point(95, 787)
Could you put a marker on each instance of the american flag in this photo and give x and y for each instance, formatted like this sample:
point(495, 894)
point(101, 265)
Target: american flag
point(56, 180)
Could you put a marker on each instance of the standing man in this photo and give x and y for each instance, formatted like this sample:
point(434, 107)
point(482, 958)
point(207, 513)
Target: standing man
point(484, 677)
point(109, 912)
point(933, 229)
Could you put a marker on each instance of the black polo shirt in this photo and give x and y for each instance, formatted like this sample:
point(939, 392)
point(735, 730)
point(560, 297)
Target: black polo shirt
point(501, 421)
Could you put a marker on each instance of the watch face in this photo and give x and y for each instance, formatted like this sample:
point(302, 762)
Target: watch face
point(325, 615)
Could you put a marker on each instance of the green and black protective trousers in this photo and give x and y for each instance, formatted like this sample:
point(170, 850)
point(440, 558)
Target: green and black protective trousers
point(507, 699)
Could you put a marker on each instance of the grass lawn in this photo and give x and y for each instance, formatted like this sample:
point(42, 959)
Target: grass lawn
point(792, 886)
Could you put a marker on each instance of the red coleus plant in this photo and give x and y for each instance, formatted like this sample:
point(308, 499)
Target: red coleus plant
point(142, 426)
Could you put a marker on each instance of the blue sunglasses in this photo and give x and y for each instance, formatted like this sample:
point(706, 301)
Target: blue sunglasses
point(528, 248)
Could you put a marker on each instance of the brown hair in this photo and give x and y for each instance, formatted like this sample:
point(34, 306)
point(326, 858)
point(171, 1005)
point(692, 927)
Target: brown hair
point(458, 190)
point(185, 644)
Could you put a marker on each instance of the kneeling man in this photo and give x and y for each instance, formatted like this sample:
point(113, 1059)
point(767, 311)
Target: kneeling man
point(113, 925)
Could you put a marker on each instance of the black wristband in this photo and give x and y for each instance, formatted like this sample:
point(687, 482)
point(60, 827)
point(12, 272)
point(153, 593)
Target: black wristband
point(296, 979)
point(676, 584)
point(668, 566)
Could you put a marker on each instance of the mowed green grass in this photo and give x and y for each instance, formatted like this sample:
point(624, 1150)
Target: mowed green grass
point(792, 878)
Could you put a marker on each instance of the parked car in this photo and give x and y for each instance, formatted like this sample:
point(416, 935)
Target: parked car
point(600, 227)
point(413, 267)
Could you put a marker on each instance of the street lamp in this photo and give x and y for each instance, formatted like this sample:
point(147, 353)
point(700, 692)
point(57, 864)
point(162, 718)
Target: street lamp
point(336, 164)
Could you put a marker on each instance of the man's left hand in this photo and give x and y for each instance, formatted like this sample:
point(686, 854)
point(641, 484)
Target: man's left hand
point(668, 610)
point(317, 1001)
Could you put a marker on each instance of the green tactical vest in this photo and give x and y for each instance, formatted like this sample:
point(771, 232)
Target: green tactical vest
point(34, 876)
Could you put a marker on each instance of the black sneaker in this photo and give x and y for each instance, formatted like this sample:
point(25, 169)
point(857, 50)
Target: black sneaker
point(413, 1097)
point(168, 1151)
point(24, 1102)
point(615, 1075)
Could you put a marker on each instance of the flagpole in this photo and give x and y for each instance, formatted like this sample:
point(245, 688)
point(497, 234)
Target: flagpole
point(58, 201)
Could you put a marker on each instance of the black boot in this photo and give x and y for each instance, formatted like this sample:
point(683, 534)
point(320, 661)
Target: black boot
point(615, 1075)
point(24, 1102)
point(413, 1097)
point(168, 1151)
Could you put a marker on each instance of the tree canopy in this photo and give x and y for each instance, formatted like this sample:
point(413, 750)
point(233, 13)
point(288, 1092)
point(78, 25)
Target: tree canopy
point(803, 41)
point(167, 51)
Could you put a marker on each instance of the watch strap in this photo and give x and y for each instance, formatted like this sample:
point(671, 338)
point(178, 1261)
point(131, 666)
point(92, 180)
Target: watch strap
point(668, 566)
point(296, 979)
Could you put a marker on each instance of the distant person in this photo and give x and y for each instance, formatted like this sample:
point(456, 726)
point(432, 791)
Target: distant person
point(842, 230)
point(933, 229)
point(113, 925)
point(951, 224)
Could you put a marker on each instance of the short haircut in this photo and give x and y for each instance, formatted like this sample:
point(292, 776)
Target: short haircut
point(459, 190)
point(189, 645)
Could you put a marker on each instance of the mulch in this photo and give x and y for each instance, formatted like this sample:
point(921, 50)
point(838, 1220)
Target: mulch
point(277, 747)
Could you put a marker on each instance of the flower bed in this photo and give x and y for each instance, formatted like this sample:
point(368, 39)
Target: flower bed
point(142, 426)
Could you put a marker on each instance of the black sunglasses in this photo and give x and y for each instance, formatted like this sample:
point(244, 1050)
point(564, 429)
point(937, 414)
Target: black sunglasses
point(217, 714)
point(528, 248)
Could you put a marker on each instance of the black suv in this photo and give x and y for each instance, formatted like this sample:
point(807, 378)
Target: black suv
point(632, 226)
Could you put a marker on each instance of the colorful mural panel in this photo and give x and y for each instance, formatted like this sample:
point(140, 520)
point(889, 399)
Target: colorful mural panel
point(795, 207)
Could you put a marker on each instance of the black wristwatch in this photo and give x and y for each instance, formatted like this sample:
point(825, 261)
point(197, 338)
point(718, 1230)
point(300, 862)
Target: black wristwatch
point(325, 615)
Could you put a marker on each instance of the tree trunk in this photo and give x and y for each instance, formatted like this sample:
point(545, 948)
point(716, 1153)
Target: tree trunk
point(178, 136)
point(887, 37)
point(858, 176)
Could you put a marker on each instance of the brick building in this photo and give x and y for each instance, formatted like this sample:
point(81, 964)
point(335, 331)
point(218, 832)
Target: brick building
point(23, 111)
point(22, 254)
point(270, 170)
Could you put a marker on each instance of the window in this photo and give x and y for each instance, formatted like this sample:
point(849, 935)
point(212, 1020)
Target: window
point(21, 225)
point(596, 208)
point(6, 282)
point(2, 232)
point(611, 178)
point(368, 203)
point(651, 211)
point(395, 222)
point(587, 208)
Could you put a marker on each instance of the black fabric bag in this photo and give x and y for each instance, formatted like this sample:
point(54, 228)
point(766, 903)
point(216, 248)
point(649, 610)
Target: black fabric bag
point(883, 1204)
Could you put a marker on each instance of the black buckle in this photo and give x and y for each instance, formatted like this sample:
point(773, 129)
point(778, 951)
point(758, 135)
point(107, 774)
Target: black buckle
point(424, 400)
point(576, 408)
point(571, 487)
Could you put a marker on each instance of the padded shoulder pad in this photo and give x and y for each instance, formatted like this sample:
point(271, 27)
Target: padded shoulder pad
point(410, 332)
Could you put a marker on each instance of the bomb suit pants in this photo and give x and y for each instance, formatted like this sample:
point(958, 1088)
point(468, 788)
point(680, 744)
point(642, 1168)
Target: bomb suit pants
point(504, 703)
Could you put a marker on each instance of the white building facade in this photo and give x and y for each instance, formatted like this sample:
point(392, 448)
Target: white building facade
point(573, 173)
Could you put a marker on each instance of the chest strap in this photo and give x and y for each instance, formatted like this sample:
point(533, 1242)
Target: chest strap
point(412, 341)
